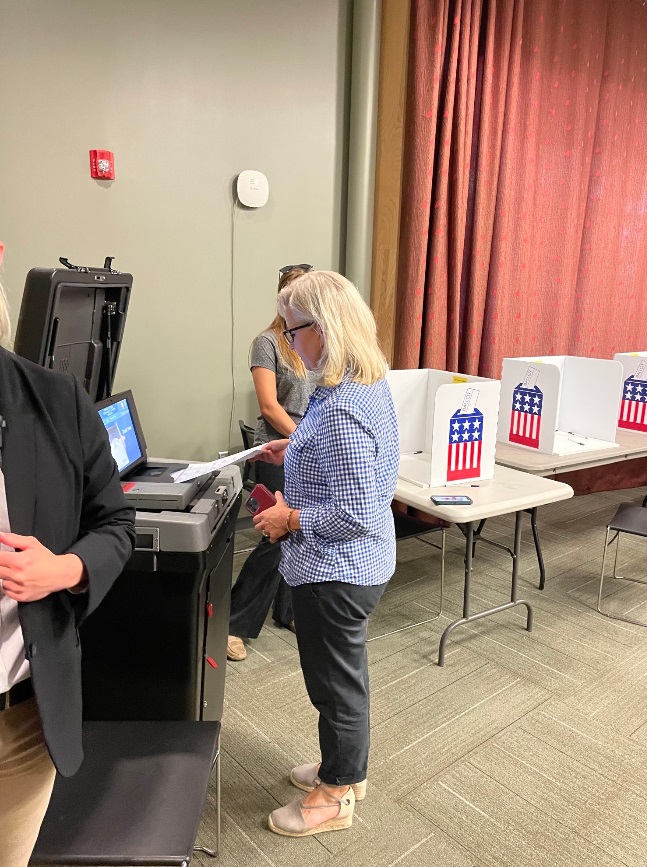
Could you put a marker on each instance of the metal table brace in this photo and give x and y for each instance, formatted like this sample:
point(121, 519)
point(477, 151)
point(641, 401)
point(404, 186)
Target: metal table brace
point(535, 535)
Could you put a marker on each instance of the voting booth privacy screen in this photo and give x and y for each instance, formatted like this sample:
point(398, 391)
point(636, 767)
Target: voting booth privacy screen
point(633, 405)
point(559, 404)
point(447, 425)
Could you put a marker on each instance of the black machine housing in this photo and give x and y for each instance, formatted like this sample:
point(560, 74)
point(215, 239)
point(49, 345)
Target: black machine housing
point(72, 321)
point(156, 647)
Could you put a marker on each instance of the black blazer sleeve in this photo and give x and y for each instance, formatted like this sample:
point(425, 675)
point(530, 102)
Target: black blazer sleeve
point(107, 534)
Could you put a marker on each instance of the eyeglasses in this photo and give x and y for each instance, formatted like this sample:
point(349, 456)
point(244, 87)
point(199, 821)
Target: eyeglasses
point(287, 268)
point(289, 332)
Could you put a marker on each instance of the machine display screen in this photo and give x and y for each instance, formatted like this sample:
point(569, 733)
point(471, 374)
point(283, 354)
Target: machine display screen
point(117, 418)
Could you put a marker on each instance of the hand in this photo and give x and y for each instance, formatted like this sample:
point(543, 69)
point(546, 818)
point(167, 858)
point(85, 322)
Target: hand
point(273, 452)
point(272, 522)
point(32, 571)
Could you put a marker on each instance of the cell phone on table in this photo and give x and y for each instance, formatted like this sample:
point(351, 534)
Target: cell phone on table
point(451, 500)
point(261, 498)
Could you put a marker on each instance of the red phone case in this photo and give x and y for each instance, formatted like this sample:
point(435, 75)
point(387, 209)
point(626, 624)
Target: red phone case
point(264, 499)
point(261, 498)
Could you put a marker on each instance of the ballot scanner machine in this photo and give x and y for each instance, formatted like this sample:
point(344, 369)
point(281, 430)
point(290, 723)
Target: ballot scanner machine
point(167, 659)
point(156, 646)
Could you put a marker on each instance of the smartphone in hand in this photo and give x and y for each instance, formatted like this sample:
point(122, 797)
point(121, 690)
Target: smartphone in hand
point(261, 498)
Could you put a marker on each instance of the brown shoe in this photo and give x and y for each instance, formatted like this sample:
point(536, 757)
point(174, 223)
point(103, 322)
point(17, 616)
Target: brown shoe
point(236, 650)
point(289, 822)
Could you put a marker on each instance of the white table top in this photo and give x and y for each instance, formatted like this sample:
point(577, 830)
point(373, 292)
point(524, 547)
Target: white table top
point(509, 491)
point(632, 445)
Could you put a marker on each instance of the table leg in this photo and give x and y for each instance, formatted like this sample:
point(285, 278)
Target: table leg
point(540, 556)
point(468, 532)
point(515, 571)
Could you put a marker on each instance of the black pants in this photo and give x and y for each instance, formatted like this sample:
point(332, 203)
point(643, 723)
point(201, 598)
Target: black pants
point(331, 620)
point(260, 581)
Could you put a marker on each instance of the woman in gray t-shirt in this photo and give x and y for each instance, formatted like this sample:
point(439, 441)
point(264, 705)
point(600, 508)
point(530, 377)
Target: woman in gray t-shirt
point(282, 391)
point(282, 387)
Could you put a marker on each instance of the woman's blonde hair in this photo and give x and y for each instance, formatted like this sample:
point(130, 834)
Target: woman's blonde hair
point(346, 323)
point(278, 326)
point(5, 322)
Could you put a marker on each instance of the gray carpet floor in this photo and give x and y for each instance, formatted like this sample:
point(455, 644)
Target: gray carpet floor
point(525, 749)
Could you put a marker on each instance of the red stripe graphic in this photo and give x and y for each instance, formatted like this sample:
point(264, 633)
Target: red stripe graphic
point(524, 428)
point(464, 461)
point(633, 415)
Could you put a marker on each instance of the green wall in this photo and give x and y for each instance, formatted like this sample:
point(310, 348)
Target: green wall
point(187, 95)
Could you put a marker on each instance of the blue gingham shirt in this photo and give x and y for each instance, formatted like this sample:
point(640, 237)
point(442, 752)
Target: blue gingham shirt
point(341, 469)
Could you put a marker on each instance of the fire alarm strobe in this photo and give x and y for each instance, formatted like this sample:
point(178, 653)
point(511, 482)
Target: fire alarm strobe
point(252, 189)
point(102, 165)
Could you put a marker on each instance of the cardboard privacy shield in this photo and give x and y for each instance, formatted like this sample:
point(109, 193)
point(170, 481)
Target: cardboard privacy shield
point(447, 424)
point(559, 404)
point(633, 406)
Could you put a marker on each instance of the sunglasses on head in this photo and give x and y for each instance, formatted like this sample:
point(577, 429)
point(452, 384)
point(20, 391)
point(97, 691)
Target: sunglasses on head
point(287, 268)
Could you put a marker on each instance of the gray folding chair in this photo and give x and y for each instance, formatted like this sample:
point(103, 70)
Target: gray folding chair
point(249, 470)
point(408, 527)
point(628, 519)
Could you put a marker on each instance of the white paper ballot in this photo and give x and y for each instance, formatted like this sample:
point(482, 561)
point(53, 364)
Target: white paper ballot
point(640, 370)
point(531, 377)
point(203, 468)
point(469, 401)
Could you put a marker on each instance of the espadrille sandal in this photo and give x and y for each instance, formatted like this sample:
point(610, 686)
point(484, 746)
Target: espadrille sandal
point(289, 822)
point(305, 778)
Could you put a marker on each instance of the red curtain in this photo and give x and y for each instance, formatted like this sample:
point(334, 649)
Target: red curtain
point(525, 182)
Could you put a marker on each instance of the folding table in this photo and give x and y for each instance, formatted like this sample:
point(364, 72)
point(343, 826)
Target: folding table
point(509, 492)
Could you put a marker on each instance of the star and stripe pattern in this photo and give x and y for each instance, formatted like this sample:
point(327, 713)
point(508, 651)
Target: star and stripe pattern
point(525, 416)
point(465, 444)
point(633, 407)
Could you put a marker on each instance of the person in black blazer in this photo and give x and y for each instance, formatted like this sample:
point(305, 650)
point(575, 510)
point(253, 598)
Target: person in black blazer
point(66, 532)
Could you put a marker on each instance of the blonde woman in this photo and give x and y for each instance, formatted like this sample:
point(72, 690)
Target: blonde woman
point(340, 473)
point(282, 389)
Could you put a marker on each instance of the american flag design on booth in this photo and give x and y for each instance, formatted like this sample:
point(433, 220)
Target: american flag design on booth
point(633, 407)
point(525, 416)
point(465, 443)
